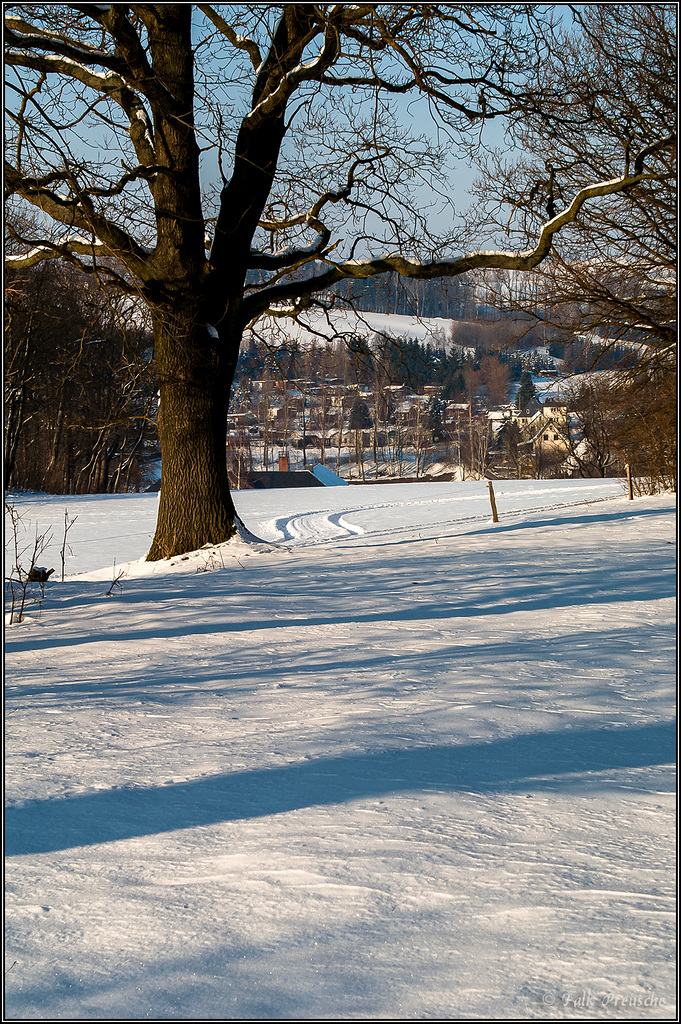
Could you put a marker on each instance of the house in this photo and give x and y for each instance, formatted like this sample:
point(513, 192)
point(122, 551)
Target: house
point(274, 479)
point(540, 443)
point(550, 429)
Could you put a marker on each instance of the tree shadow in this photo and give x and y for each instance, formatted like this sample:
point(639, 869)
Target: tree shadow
point(553, 761)
point(340, 602)
point(589, 519)
point(211, 676)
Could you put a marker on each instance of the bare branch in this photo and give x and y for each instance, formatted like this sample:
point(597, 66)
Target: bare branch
point(296, 255)
point(54, 250)
point(26, 37)
point(77, 213)
point(56, 53)
point(236, 39)
point(103, 81)
point(255, 305)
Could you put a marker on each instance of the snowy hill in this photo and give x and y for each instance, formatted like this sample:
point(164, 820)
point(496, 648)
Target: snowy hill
point(392, 761)
point(314, 325)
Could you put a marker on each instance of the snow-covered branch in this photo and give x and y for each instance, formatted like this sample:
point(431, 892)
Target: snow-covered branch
point(24, 36)
point(103, 81)
point(273, 88)
point(53, 251)
point(525, 260)
point(54, 53)
point(76, 212)
point(83, 253)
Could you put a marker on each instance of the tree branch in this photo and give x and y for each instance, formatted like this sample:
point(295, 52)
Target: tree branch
point(108, 83)
point(296, 256)
point(53, 250)
point(25, 36)
point(238, 41)
point(69, 251)
point(61, 55)
point(78, 213)
point(255, 305)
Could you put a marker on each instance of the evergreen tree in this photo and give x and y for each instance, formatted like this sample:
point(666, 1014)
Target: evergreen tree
point(360, 417)
point(435, 410)
point(526, 392)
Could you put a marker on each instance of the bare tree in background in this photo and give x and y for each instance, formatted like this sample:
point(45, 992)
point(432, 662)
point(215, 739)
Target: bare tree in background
point(611, 275)
point(116, 110)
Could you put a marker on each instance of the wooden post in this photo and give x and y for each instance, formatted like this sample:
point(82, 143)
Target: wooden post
point(495, 517)
point(630, 484)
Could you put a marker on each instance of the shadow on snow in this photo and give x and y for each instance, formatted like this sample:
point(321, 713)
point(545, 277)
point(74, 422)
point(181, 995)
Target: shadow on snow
point(339, 604)
point(550, 761)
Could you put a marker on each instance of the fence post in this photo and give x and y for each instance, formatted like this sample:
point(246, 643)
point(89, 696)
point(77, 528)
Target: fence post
point(495, 517)
point(630, 484)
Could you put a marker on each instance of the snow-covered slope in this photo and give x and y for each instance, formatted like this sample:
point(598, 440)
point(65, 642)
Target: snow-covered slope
point(315, 326)
point(394, 761)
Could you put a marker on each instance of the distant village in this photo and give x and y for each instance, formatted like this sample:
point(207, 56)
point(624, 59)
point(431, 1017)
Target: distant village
point(407, 409)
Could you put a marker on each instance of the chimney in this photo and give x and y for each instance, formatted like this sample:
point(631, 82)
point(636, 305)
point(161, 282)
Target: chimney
point(283, 462)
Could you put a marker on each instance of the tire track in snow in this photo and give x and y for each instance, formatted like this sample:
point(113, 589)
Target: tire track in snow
point(310, 529)
point(303, 526)
point(338, 519)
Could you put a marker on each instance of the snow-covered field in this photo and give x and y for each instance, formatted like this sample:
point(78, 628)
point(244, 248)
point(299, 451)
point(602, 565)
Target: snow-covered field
point(394, 761)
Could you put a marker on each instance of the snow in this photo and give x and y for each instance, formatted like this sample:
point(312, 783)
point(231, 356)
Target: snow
point(142, 116)
point(313, 324)
point(390, 761)
point(38, 252)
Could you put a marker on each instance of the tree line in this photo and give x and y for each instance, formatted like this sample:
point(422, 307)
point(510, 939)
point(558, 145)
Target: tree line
point(80, 385)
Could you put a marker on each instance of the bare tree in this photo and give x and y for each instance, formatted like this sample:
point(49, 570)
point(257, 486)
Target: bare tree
point(609, 100)
point(623, 421)
point(594, 450)
point(359, 423)
point(495, 378)
point(299, 110)
point(611, 277)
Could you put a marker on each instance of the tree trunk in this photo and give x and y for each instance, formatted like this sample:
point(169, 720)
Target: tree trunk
point(13, 431)
point(195, 373)
point(15, 401)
